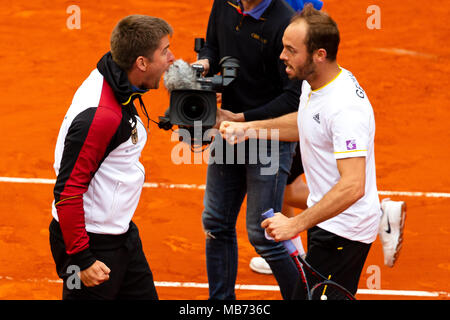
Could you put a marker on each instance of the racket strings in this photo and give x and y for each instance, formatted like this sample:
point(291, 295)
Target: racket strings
point(318, 287)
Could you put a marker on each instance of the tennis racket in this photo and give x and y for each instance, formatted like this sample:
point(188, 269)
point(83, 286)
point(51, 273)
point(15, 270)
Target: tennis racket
point(319, 287)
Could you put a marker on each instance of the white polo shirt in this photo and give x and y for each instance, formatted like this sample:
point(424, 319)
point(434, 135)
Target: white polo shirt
point(336, 122)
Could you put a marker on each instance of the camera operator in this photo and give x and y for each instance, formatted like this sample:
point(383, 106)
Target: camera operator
point(251, 31)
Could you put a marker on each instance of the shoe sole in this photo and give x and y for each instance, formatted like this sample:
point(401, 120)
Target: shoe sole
point(400, 236)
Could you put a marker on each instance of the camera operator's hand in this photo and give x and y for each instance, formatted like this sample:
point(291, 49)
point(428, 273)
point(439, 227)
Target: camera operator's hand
point(205, 64)
point(225, 115)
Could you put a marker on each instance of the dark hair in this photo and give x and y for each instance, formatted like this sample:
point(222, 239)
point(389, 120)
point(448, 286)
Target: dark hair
point(137, 35)
point(322, 31)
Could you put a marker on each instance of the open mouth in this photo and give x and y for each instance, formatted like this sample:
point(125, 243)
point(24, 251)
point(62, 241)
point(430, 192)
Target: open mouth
point(289, 68)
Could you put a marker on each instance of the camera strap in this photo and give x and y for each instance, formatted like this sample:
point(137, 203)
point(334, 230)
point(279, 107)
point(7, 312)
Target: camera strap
point(144, 111)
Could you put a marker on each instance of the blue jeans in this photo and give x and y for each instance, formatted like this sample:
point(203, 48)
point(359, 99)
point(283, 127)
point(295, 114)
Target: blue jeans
point(226, 187)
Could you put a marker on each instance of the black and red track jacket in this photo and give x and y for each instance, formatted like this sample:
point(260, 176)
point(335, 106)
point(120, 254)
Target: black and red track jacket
point(99, 176)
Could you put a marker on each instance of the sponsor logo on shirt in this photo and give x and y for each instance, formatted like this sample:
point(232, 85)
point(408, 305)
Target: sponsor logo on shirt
point(317, 118)
point(351, 144)
point(134, 133)
point(359, 91)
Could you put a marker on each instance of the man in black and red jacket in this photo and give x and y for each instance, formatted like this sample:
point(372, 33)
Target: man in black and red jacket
point(99, 176)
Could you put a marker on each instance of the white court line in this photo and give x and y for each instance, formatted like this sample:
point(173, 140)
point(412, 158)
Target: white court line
point(254, 287)
point(409, 293)
point(146, 184)
point(404, 52)
point(415, 194)
point(155, 185)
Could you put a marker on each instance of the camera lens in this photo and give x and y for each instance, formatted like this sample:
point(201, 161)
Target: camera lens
point(193, 107)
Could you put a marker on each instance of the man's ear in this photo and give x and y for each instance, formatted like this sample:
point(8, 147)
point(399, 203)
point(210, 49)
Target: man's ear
point(320, 55)
point(142, 63)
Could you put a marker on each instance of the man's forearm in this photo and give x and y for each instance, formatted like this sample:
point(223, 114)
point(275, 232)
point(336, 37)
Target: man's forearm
point(336, 201)
point(283, 128)
point(239, 117)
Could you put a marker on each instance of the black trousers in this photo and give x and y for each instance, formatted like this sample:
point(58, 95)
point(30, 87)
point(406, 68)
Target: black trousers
point(336, 257)
point(130, 276)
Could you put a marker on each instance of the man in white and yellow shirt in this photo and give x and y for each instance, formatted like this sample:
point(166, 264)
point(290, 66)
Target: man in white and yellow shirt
point(335, 126)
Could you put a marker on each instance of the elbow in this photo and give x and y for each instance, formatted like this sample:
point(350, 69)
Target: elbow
point(359, 190)
point(354, 190)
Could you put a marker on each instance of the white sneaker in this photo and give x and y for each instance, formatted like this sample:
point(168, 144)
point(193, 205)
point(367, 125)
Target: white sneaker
point(260, 265)
point(391, 229)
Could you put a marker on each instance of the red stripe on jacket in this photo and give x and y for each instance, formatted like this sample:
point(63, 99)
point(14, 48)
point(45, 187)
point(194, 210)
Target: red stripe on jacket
point(70, 209)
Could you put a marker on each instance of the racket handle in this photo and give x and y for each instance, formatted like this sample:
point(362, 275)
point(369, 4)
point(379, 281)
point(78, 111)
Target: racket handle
point(290, 247)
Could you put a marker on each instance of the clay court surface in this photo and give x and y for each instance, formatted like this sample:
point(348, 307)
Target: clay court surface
point(404, 67)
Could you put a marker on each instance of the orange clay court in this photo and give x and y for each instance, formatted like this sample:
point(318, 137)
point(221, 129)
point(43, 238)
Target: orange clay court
point(404, 67)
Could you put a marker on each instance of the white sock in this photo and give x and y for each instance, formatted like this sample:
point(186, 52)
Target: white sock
point(298, 244)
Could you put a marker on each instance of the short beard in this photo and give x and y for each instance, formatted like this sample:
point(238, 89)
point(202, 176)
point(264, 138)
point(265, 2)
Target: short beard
point(308, 69)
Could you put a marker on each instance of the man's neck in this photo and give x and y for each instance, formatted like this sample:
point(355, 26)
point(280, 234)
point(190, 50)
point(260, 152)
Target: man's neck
point(134, 79)
point(324, 76)
point(250, 4)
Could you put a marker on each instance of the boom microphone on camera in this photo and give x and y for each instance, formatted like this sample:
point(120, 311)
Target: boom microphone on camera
point(189, 102)
point(180, 75)
point(193, 103)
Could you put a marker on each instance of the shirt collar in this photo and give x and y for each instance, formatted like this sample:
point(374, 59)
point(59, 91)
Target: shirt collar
point(257, 11)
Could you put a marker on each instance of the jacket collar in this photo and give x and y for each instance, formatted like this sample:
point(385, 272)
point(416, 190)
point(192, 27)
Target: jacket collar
point(257, 11)
point(124, 91)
